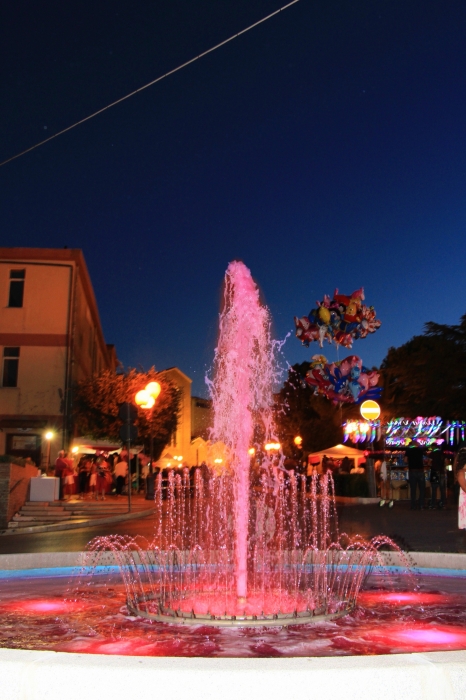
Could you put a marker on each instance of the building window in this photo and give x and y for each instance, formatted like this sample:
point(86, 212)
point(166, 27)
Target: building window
point(15, 298)
point(10, 366)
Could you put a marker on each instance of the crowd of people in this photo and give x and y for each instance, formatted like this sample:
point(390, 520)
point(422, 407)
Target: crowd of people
point(431, 465)
point(95, 476)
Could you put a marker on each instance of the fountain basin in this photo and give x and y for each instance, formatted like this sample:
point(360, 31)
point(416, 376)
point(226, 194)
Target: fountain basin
point(37, 675)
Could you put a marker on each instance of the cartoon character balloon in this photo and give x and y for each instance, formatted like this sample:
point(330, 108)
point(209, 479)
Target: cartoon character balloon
point(341, 320)
point(347, 381)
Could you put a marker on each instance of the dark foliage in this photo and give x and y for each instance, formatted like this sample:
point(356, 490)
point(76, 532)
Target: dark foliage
point(427, 375)
point(300, 412)
point(97, 400)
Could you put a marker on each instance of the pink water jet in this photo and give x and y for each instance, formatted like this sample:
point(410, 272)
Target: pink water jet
point(242, 393)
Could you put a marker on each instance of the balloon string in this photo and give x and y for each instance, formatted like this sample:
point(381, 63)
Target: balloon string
point(341, 402)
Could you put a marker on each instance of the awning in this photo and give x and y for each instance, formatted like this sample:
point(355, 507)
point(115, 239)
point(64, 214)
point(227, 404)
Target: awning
point(87, 445)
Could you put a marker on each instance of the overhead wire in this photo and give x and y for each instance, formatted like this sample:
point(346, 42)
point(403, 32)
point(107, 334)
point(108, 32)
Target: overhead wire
point(147, 85)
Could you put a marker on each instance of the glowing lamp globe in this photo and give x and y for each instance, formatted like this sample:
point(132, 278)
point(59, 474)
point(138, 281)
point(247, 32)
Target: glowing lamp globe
point(154, 389)
point(298, 441)
point(272, 446)
point(144, 399)
point(370, 410)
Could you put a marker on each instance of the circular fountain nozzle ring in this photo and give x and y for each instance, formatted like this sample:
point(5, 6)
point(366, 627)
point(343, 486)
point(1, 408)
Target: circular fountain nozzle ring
point(168, 615)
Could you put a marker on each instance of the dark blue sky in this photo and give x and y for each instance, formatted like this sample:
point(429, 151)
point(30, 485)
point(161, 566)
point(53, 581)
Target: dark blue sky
point(325, 148)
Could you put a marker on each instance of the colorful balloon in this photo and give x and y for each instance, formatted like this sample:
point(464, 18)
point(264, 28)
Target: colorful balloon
point(341, 320)
point(347, 381)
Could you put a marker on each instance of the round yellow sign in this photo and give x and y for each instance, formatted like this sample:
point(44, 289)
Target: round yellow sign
point(370, 410)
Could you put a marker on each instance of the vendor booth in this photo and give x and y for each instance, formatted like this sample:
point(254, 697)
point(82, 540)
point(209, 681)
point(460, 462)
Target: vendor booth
point(342, 460)
point(337, 453)
point(89, 446)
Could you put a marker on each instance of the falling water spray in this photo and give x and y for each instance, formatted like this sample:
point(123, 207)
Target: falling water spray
point(242, 392)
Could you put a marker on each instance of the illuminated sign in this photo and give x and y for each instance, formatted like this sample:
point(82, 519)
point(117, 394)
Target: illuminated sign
point(362, 431)
point(370, 410)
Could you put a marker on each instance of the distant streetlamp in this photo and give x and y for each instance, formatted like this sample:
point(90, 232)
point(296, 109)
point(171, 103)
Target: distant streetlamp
point(146, 399)
point(272, 447)
point(49, 437)
point(298, 441)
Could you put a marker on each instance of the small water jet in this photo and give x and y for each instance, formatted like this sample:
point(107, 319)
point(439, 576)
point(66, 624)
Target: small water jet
point(235, 552)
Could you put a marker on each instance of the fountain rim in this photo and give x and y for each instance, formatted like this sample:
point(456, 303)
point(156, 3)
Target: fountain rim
point(32, 561)
point(175, 617)
point(42, 675)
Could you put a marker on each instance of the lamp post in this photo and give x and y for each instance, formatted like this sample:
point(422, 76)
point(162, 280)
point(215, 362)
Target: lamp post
point(370, 410)
point(48, 437)
point(146, 399)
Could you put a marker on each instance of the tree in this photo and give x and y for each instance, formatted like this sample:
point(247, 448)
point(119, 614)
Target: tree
point(427, 375)
point(300, 412)
point(97, 400)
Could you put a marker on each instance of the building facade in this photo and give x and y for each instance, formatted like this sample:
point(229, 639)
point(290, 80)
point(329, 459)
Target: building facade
point(50, 338)
point(190, 444)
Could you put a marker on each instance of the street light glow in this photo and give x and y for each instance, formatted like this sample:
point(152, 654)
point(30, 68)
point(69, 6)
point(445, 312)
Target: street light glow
point(48, 435)
point(154, 389)
point(272, 446)
point(147, 397)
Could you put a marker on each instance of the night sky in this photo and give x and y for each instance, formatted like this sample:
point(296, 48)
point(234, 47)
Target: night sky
point(325, 148)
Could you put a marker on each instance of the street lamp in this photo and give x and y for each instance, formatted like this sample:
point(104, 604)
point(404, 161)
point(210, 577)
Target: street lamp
point(48, 436)
point(146, 399)
point(298, 441)
point(272, 447)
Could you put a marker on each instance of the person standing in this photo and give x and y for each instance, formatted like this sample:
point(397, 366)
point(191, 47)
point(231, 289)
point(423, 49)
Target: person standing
point(120, 473)
point(102, 478)
point(93, 479)
point(84, 468)
point(68, 477)
point(437, 477)
point(416, 476)
point(460, 471)
point(60, 467)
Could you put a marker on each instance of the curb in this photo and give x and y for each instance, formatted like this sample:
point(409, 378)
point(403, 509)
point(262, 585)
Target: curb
point(356, 500)
point(75, 524)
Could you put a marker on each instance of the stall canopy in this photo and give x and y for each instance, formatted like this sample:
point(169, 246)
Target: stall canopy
point(87, 445)
point(338, 452)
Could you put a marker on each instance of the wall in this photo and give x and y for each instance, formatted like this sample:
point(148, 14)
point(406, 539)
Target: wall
point(60, 338)
point(201, 417)
point(181, 442)
point(14, 489)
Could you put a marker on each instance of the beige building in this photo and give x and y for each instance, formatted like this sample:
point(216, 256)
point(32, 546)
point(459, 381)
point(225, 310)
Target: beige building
point(190, 445)
point(50, 337)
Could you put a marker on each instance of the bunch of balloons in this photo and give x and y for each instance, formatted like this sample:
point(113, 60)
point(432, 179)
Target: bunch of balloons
point(346, 381)
point(341, 319)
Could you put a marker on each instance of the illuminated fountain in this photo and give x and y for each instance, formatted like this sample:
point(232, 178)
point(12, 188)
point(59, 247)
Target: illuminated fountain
point(235, 552)
point(242, 556)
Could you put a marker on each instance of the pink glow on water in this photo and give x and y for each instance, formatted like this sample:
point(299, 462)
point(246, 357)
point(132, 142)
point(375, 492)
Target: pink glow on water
point(136, 646)
point(370, 598)
point(103, 626)
point(42, 606)
point(418, 636)
point(433, 636)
